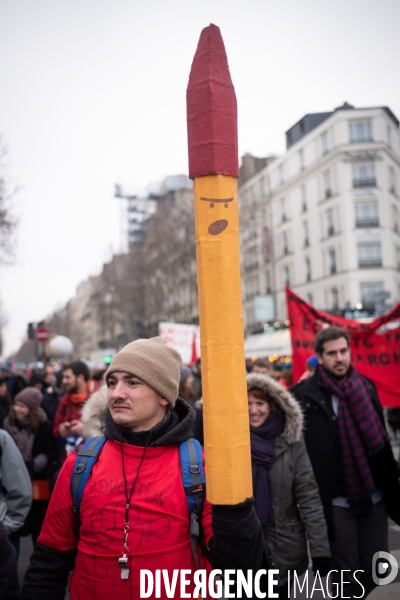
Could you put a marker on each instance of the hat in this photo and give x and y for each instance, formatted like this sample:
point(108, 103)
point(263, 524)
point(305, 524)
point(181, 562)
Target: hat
point(185, 373)
point(153, 361)
point(36, 378)
point(312, 361)
point(30, 396)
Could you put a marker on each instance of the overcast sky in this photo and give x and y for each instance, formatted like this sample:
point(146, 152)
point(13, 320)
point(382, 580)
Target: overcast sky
point(92, 92)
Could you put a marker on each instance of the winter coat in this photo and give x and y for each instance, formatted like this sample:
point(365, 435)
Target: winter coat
point(9, 585)
point(297, 508)
point(50, 402)
point(43, 444)
point(15, 485)
point(66, 411)
point(319, 435)
point(159, 524)
point(5, 403)
point(93, 414)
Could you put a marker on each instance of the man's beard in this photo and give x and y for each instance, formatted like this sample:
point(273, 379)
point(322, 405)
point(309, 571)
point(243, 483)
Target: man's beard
point(71, 389)
point(341, 377)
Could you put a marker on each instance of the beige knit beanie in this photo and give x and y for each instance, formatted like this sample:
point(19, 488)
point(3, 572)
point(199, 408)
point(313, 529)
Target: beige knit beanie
point(154, 362)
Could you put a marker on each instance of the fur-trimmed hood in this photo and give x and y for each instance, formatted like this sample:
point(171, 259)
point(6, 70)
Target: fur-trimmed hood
point(293, 429)
point(94, 413)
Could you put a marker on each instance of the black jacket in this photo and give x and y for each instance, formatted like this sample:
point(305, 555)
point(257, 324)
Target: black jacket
point(319, 434)
point(50, 402)
point(237, 533)
point(9, 586)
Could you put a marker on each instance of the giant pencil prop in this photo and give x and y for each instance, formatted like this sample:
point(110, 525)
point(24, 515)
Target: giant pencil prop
point(213, 165)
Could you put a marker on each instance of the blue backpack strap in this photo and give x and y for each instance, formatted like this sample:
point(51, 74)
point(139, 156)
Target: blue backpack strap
point(194, 484)
point(86, 458)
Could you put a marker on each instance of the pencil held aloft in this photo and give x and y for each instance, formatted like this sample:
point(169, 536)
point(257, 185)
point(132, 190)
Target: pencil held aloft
point(211, 110)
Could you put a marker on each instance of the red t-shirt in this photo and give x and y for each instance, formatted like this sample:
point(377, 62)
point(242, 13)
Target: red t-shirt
point(159, 536)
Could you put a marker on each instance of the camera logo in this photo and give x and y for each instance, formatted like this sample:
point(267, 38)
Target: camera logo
point(384, 568)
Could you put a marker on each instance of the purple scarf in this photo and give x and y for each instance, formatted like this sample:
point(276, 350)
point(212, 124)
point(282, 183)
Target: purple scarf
point(360, 430)
point(262, 441)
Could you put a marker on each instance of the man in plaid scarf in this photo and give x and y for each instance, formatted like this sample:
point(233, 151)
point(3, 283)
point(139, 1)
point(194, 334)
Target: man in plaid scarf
point(352, 459)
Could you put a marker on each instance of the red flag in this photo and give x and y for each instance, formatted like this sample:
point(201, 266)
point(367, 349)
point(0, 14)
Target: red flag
point(375, 346)
point(194, 349)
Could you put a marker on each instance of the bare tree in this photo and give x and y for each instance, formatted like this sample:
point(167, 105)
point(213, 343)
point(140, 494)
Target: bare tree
point(3, 323)
point(8, 222)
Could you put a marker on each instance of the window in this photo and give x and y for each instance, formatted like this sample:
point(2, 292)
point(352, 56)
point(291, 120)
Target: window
point(360, 131)
point(395, 216)
point(364, 175)
point(367, 214)
point(327, 185)
point(398, 258)
point(268, 282)
point(286, 274)
point(285, 243)
point(264, 185)
point(306, 234)
point(283, 211)
point(335, 298)
point(281, 178)
point(310, 298)
point(392, 181)
point(324, 143)
point(301, 159)
point(304, 198)
point(329, 222)
point(369, 254)
point(308, 269)
point(332, 261)
point(371, 292)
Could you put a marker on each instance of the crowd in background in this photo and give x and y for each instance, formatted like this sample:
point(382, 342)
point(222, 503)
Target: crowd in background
point(46, 415)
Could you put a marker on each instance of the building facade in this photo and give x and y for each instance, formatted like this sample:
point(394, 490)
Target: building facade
point(324, 217)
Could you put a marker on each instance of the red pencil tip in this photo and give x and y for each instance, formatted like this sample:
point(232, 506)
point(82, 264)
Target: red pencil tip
point(211, 110)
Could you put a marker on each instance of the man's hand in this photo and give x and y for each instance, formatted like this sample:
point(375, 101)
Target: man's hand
point(76, 427)
point(64, 429)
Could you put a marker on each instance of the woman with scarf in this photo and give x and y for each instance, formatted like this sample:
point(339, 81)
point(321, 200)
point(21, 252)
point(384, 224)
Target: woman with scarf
point(28, 426)
point(286, 494)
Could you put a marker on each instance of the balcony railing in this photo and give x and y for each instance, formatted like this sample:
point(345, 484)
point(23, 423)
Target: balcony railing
point(369, 262)
point(363, 183)
point(372, 222)
point(361, 139)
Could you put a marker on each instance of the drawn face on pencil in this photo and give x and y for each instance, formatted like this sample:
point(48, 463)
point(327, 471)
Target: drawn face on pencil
point(218, 226)
point(216, 206)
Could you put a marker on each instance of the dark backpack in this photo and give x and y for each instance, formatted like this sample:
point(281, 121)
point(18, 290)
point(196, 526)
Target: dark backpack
point(193, 479)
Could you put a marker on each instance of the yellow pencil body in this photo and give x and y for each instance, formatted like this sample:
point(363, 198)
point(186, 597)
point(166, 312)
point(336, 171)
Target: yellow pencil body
point(226, 421)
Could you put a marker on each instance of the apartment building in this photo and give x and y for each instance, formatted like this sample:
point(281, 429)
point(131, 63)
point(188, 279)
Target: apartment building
point(324, 217)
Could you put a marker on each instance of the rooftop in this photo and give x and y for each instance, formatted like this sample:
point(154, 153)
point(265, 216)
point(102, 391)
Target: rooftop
point(312, 120)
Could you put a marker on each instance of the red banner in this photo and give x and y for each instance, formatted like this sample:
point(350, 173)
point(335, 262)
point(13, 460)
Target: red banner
point(375, 346)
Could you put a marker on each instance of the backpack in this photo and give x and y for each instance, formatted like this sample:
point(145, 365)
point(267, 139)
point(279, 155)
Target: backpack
point(193, 479)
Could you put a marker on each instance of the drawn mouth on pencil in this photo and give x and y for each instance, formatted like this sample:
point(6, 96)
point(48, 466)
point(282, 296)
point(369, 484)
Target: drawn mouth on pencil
point(219, 226)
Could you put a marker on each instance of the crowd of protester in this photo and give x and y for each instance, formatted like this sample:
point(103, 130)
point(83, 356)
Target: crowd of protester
point(324, 476)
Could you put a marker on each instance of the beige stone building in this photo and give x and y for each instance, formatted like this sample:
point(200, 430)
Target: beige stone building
point(324, 217)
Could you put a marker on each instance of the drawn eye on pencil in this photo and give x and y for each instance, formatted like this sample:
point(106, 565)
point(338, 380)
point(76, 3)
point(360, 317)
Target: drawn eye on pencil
point(219, 226)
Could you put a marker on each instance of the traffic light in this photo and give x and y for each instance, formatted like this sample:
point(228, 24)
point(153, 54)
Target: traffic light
point(107, 360)
point(31, 331)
